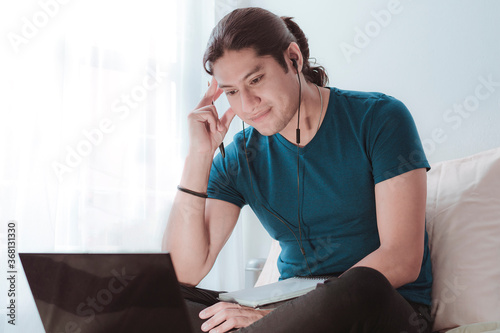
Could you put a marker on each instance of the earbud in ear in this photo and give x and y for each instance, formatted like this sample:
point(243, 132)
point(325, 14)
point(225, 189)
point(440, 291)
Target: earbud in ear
point(294, 63)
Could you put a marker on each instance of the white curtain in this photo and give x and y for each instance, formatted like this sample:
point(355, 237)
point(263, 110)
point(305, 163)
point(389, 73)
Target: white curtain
point(95, 96)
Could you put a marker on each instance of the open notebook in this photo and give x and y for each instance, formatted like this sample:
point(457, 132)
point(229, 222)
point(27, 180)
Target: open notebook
point(274, 292)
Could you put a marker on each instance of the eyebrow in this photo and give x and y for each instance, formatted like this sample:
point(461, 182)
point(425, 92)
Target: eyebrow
point(255, 70)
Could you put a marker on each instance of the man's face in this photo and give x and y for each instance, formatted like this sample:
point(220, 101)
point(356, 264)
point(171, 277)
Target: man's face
point(258, 89)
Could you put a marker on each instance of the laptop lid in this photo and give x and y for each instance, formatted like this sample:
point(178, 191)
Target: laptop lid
point(83, 293)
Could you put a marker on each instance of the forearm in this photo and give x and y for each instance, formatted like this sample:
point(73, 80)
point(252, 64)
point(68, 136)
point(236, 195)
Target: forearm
point(186, 236)
point(394, 266)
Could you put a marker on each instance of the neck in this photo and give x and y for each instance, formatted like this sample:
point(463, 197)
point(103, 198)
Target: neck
point(310, 112)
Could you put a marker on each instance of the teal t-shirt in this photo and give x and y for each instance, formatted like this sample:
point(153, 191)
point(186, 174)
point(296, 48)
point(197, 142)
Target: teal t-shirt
point(365, 138)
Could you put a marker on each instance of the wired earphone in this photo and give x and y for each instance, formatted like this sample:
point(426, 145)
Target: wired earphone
point(297, 139)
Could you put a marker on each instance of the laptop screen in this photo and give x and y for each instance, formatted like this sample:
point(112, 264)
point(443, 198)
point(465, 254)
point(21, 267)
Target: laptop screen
point(80, 293)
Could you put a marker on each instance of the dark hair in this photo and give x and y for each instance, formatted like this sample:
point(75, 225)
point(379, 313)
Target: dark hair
point(267, 34)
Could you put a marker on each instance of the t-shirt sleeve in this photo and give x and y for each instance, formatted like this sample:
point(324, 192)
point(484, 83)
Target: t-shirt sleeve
point(393, 143)
point(221, 183)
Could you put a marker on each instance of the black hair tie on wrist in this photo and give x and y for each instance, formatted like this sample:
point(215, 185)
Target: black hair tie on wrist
point(198, 194)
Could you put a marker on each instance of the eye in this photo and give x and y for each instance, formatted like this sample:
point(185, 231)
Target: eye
point(256, 80)
point(231, 92)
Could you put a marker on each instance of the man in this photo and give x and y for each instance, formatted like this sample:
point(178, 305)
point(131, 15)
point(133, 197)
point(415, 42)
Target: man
point(351, 184)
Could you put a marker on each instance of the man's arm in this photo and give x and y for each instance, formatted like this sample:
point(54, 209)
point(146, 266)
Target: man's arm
point(196, 233)
point(400, 204)
point(198, 228)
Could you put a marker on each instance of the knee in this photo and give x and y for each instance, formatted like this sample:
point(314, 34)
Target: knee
point(369, 286)
point(361, 287)
point(367, 280)
point(363, 272)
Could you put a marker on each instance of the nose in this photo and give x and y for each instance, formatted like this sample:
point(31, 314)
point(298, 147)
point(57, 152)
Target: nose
point(249, 101)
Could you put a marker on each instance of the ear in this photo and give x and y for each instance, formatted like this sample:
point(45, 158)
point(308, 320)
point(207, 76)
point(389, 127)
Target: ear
point(293, 52)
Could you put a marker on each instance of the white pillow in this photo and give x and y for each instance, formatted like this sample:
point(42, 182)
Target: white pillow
point(270, 272)
point(463, 222)
point(490, 327)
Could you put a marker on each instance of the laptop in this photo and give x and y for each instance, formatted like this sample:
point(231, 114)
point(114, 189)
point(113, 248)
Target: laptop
point(106, 293)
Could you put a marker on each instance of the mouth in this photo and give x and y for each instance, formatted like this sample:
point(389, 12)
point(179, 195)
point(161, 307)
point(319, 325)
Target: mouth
point(261, 115)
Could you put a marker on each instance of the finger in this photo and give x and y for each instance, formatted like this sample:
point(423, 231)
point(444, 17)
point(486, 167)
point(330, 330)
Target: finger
point(207, 118)
point(208, 312)
point(208, 98)
point(213, 109)
point(212, 86)
point(238, 318)
point(213, 81)
point(221, 317)
point(227, 118)
point(230, 318)
point(228, 325)
point(217, 307)
point(218, 92)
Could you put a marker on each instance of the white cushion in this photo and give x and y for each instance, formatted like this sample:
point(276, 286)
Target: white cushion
point(463, 222)
point(270, 271)
point(490, 327)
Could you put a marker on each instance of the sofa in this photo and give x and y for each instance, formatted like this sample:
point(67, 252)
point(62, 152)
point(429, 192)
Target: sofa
point(463, 224)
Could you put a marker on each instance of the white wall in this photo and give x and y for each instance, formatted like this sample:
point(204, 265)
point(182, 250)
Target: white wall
point(432, 55)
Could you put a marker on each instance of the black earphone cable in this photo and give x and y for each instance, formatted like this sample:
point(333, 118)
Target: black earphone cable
point(299, 239)
point(298, 165)
point(253, 191)
point(269, 211)
point(297, 139)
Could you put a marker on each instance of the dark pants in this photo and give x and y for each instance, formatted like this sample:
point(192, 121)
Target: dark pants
point(360, 301)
